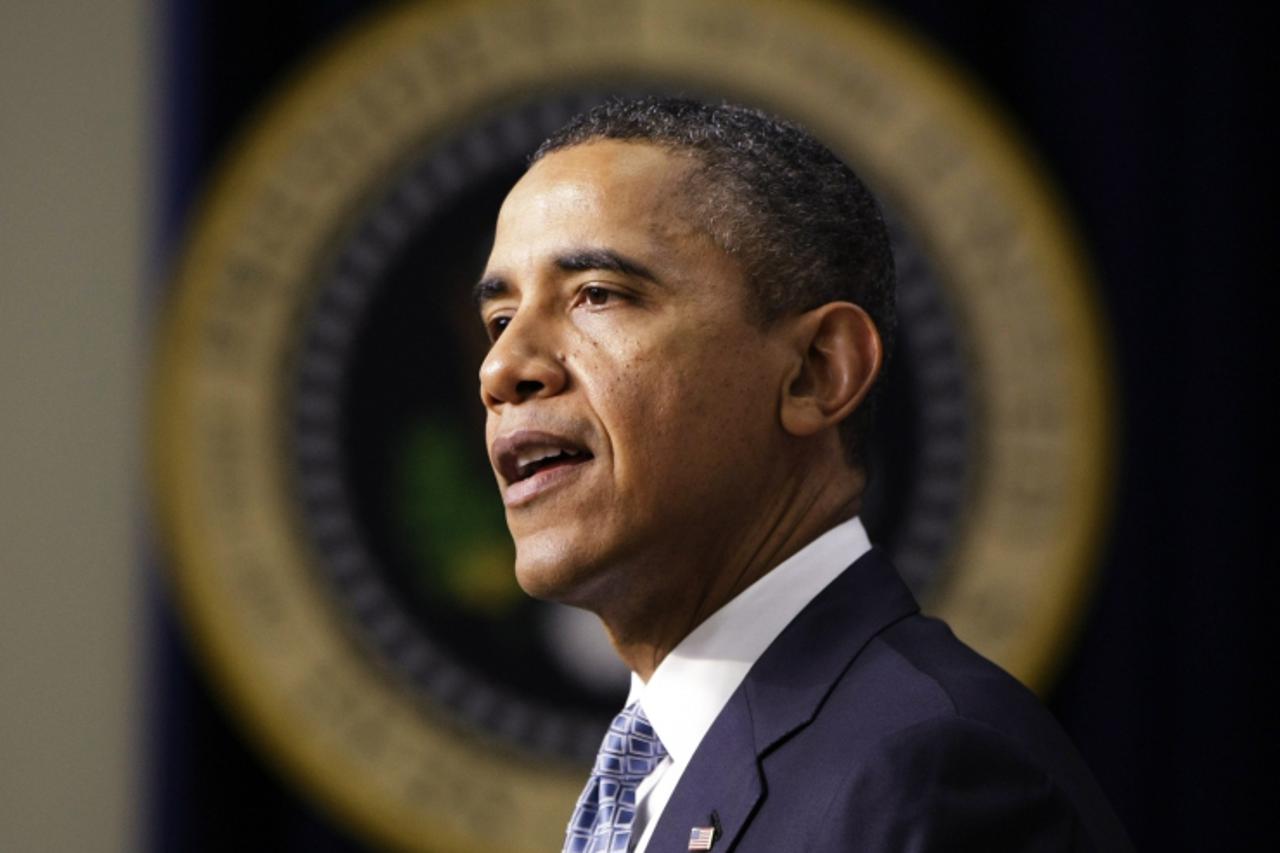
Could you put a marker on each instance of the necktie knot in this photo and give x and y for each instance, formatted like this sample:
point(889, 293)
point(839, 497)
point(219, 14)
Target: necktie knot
point(605, 812)
point(630, 749)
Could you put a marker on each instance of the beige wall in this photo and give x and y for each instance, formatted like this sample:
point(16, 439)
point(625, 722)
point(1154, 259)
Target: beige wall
point(72, 198)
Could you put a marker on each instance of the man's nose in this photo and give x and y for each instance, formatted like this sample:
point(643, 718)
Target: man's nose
point(522, 364)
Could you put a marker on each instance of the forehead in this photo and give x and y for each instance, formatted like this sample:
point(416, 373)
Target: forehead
point(600, 192)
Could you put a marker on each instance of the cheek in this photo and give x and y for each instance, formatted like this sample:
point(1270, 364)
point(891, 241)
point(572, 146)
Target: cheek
point(635, 395)
point(683, 416)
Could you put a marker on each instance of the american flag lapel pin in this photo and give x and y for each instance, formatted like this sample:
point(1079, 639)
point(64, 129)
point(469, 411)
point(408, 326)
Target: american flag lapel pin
point(702, 837)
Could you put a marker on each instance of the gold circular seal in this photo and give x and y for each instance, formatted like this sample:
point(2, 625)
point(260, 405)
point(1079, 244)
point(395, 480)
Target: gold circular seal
point(1008, 397)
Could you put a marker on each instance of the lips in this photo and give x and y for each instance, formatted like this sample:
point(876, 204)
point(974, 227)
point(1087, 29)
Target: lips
point(531, 461)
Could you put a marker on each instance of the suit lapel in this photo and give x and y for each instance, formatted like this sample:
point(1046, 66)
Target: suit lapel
point(780, 695)
point(721, 785)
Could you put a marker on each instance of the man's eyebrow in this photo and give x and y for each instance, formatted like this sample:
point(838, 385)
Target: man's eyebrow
point(489, 287)
point(577, 260)
point(583, 260)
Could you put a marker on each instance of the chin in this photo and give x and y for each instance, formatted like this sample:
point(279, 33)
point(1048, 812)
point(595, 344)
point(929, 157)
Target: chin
point(542, 575)
point(548, 570)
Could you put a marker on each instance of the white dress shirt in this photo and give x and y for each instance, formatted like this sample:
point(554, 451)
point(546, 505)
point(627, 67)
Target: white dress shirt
point(694, 681)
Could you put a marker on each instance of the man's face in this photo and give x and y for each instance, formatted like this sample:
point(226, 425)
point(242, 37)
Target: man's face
point(632, 404)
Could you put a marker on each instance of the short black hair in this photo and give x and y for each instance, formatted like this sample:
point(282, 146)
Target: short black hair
point(804, 227)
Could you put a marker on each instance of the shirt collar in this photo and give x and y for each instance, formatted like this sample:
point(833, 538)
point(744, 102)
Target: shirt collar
point(694, 681)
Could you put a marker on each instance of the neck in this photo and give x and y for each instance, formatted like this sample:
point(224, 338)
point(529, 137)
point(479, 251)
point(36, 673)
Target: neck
point(679, 589)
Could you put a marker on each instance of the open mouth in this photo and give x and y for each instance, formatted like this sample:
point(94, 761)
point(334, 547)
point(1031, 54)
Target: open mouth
point(525, 454)
point(532, 462)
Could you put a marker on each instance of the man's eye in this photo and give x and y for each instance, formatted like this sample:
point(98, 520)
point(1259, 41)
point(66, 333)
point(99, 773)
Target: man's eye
point(497, 326)
point(597, 295)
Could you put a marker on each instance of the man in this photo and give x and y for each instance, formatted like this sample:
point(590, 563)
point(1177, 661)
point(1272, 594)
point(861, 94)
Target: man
point(688, 307)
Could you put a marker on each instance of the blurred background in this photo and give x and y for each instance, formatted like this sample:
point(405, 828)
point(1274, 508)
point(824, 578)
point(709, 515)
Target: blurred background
point(129, 718)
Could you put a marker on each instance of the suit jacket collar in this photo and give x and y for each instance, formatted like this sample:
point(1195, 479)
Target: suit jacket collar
point(784, 690)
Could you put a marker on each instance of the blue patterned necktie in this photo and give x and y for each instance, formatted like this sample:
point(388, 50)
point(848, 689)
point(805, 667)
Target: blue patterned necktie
point(602, 820)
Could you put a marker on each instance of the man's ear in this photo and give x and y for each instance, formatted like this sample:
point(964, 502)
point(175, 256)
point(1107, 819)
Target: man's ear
point(838, 354)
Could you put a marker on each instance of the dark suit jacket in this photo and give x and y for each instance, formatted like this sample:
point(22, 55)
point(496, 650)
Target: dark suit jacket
point(868, 727)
